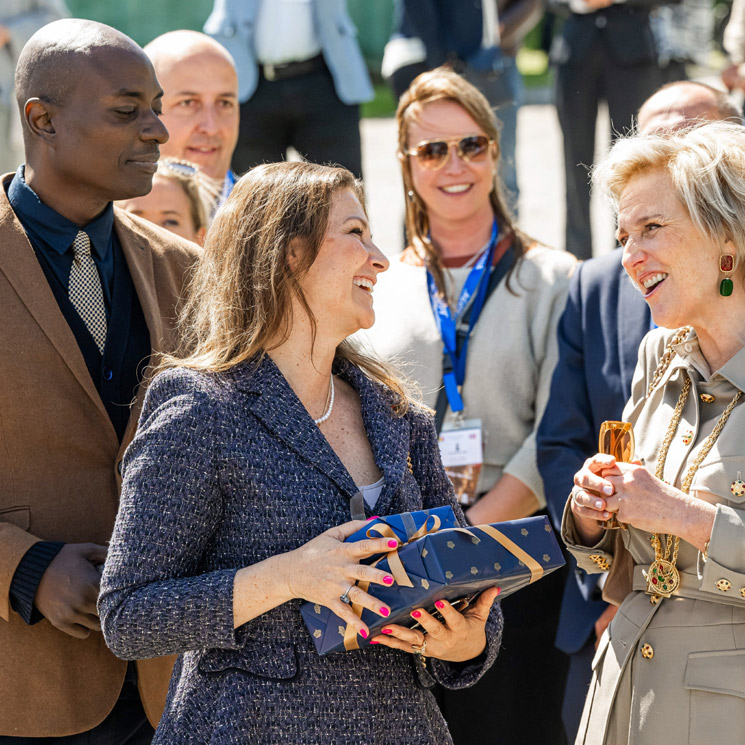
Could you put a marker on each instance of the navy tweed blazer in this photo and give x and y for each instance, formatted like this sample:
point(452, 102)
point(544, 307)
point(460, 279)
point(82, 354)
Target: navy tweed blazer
point(227, 470)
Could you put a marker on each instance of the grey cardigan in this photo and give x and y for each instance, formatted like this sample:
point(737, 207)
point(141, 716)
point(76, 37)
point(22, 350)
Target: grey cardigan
point(227, 470)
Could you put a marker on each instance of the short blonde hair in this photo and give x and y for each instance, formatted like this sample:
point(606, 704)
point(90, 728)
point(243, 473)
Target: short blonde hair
point(706, 165)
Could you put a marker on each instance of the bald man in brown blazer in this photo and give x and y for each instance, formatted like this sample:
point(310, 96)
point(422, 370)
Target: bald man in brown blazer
point(88, 297)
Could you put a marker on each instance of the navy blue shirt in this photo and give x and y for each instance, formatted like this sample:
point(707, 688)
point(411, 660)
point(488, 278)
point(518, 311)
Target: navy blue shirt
point(52, 235)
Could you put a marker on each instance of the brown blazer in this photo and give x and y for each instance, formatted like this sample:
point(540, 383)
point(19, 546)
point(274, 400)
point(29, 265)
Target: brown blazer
point(59, 458)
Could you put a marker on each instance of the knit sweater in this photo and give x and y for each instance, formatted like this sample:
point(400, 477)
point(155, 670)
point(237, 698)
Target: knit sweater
point(228, 470)
point(511, 354)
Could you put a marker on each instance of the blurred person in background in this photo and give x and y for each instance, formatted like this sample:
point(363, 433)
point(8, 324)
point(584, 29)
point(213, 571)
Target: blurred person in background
point(177, 201)
point(200, 104)
point(733, 76)
point(464, 244)
point(605, 51)
point(599, 334)
point(479, 41)
point(301, 79)
point(19, 19)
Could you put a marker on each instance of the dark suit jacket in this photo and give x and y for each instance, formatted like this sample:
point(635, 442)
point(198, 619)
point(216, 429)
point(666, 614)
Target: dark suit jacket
point(58, 472)
point(226, 471)
point(599, 334)
point(623, 30)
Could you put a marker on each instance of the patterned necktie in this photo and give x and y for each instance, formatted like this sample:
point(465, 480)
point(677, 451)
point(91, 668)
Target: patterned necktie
point(85, 290)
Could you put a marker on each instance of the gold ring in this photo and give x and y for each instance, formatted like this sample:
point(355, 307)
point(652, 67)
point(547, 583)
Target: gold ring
point(419, 648)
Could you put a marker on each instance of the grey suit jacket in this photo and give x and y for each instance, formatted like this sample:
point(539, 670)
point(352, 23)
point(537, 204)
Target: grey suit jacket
point(228, 470)
point(233, 24)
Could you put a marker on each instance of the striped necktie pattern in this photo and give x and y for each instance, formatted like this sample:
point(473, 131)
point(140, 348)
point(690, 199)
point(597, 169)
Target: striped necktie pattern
point(85, 291)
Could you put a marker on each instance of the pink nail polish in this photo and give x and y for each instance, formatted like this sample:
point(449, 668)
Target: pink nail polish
point(387, 631)
point(374, 517)
point(372, 641)
point(363, 633)
point(440, 604)
point(416, 613)
point(385, 612)
point(388, 580)
point(499, 589)
point(392, 544)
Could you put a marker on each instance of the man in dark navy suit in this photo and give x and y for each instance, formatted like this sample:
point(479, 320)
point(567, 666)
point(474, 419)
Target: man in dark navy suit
point(599, 333)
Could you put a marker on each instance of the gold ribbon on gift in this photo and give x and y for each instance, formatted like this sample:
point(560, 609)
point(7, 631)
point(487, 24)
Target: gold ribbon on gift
point(394, 562)
point(402, 578)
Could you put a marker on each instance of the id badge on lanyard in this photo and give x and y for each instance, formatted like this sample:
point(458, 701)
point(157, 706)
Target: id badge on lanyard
point(461, 441)
point(462, 452)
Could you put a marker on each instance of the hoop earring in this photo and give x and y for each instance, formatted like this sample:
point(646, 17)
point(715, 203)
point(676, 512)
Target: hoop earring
point(726, 266)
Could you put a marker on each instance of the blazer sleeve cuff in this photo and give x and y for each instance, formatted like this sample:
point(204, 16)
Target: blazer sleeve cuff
point(592, 559)
point(27, 576)
point(14, 543)
point(455, 675)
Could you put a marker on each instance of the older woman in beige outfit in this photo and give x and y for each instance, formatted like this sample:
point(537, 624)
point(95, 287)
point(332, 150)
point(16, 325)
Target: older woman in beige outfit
point(671, 666)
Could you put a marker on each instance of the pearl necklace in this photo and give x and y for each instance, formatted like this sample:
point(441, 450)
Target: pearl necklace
point(330, 400)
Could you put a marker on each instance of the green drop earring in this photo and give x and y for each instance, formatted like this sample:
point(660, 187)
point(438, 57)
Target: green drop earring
point(726, 266)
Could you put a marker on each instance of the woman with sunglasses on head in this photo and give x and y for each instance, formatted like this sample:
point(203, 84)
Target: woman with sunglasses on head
point(472, 282)
point(256, 444)
point(179, 201)
point(671, 665)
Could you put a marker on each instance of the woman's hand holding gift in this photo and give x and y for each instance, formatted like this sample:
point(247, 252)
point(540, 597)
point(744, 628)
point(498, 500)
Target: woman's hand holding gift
point(457, 638)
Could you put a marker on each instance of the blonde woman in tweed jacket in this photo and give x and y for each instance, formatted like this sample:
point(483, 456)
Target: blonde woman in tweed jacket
point(237, 489)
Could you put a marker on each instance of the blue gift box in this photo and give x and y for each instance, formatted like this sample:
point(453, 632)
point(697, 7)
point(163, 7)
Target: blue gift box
point(443, 561)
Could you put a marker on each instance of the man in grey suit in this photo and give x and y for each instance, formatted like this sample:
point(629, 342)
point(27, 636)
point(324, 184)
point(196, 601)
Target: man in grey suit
point(301, 78)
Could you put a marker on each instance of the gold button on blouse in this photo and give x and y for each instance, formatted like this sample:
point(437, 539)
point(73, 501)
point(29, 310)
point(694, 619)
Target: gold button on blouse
point(724, 585)
point(600, 561)
point(647, 651)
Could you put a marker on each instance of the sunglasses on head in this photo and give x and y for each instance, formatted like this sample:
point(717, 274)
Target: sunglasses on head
point(433, 154)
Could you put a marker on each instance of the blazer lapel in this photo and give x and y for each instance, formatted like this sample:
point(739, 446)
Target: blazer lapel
point(274, 402)
point(139, 258)
point(21, 267)
point(633, 324)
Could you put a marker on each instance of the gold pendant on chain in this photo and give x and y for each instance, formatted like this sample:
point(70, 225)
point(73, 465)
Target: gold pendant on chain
point(663, 578)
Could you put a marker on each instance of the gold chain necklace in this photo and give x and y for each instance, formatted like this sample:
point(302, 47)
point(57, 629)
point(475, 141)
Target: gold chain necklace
point(663, 577)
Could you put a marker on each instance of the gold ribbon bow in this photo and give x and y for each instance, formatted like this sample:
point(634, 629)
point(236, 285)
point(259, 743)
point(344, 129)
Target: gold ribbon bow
point(402, 578)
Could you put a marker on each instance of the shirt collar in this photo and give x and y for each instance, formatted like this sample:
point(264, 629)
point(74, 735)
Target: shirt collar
point(733, 370)
point(54, 229)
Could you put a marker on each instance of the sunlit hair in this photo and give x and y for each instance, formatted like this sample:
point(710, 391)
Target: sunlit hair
point(240, 299)
point(445, 85)
point(706, 164)
point(199, 190)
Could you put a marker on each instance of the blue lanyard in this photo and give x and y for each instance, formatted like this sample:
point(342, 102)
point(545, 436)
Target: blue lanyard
point(473, 294)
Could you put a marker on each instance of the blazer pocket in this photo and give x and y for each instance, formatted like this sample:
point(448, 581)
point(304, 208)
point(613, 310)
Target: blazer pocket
point(716, 681)
point(274, 660)
point(18, 516)
point(718, 478)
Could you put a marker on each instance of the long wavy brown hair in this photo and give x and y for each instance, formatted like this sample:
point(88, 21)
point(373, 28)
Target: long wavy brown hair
point(438, 85)
point(239, 304)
